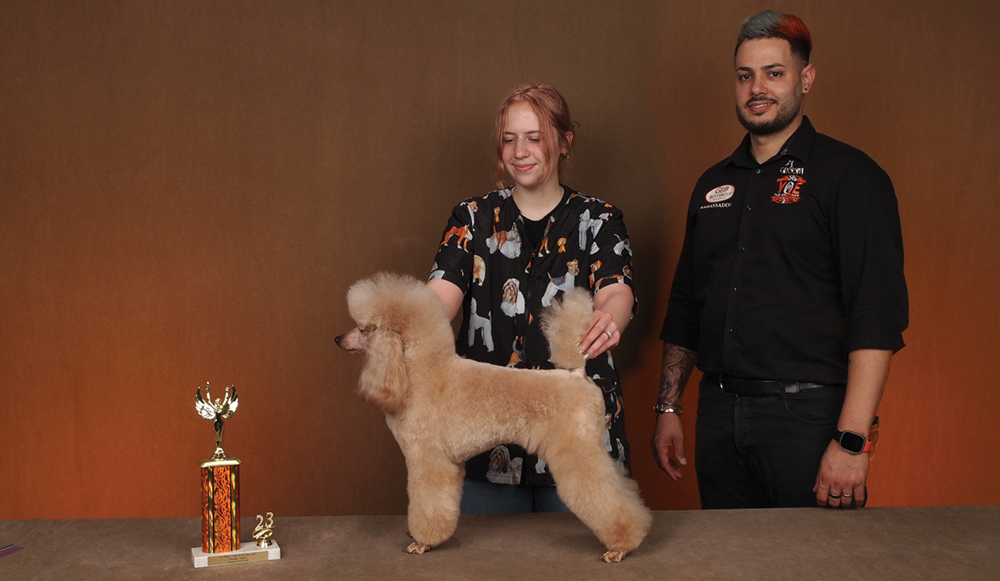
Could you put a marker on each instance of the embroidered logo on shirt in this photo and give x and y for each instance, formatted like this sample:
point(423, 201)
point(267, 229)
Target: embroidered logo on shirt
point(790, 168)
point(720, 194)
point(788, 189)
point(717, 198)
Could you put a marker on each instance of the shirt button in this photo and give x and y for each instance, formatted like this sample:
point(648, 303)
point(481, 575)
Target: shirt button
point(730, 329)
point(734, 288)
point(749, 207)
point(743, 248)
point(758, 170)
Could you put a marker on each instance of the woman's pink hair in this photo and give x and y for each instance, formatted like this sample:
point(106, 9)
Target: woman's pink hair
point(553, 114)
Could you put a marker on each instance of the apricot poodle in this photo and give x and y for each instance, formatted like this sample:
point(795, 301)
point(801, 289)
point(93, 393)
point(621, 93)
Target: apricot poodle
point(444, 409)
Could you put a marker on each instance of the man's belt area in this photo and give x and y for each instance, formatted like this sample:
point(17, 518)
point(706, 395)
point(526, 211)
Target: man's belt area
point(762, 387)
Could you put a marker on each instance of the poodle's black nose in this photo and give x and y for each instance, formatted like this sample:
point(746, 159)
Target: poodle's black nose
point(337, 339)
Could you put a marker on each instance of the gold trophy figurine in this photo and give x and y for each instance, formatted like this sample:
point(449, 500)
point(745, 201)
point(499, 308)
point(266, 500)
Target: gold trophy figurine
point(220, 410)
point(264, 530)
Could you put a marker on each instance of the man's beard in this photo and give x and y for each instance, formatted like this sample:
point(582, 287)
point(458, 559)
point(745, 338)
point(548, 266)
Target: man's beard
point(787, 113)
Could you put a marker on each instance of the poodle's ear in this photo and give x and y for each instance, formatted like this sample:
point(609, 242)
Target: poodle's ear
point(383, 380)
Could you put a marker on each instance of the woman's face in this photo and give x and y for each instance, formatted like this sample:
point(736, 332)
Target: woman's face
point(530, 159)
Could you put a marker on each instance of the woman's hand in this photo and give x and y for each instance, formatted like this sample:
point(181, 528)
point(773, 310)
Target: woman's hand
point(603, 335)
point(612, 312)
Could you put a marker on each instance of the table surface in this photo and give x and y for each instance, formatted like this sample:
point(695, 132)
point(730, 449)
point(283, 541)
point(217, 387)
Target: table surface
point(958, 542)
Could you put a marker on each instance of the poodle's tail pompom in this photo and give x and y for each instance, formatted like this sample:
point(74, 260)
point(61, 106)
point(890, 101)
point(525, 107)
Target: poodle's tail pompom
point(564, 325)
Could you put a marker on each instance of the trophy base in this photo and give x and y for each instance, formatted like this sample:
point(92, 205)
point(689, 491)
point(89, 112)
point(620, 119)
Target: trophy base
point(248, 553)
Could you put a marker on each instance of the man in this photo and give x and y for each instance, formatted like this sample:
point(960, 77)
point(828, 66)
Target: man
point(789, 294)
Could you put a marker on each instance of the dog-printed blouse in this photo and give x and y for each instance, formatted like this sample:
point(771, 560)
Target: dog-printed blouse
point(507, 284)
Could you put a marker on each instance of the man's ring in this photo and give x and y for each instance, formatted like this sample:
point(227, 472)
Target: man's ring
point(610, 334)
point(846, 495)
point(832, 495)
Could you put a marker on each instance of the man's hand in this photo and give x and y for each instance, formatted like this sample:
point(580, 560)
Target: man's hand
point(841, 479)
point(669, 433)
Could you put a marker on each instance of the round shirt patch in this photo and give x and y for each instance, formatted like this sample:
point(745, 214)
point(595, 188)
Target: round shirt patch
point(720, 194)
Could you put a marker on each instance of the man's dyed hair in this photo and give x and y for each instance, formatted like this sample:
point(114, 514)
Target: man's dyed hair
point(771, 24)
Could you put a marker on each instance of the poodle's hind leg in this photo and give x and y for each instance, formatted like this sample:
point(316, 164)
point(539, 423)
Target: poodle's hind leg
point(434, 484)
point(602, 497)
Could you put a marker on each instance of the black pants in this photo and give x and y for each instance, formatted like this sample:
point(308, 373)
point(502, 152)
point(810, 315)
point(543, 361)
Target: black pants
point(762, 451)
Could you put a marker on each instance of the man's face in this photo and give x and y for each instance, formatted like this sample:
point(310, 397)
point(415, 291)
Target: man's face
point(769, 85)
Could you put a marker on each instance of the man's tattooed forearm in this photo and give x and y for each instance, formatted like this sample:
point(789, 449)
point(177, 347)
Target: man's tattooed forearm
point(678, 363)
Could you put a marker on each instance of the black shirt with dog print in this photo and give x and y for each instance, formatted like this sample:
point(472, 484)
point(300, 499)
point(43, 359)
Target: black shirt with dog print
point(507, 284)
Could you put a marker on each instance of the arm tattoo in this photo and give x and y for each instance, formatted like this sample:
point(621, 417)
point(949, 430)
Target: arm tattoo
point(678, 363)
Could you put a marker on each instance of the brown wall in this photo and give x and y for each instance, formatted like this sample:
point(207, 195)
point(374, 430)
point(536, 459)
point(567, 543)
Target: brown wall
point(188, 188)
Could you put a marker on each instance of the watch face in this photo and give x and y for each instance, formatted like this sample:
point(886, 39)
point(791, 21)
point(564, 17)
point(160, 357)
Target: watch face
point(852, 442)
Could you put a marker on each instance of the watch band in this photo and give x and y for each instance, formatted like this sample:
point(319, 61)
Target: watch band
point(873, 438)
point(668, 408)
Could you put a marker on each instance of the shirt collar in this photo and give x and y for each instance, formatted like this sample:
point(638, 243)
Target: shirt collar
point(798, 146)
point(511, 213)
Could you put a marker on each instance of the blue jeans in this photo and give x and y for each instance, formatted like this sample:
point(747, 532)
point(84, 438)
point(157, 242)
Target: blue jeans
point(480, 497)
point(762, 451)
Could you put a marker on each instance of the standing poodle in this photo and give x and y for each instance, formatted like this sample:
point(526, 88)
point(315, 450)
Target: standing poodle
point(444, 409)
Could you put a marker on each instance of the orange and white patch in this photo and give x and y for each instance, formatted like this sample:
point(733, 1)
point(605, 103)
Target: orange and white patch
point(788, 189)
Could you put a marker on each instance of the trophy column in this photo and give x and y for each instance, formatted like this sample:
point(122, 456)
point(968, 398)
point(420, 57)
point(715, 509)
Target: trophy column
point(220, 505)
point(220, 497)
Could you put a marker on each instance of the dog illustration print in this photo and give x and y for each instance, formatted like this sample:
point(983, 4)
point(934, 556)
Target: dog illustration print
point(478, 269)
point(508, 242)
point(561, 283)
point(592, 225)
point(502, 469)
point(513, 299)
point(478, 322)
point(462, 233)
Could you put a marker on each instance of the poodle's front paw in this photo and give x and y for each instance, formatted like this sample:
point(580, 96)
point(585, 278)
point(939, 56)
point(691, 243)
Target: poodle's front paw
point(416, 548)
point(613, 556)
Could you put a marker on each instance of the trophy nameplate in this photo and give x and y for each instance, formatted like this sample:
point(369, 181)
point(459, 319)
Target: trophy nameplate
point(245, 554)
point(220, 497)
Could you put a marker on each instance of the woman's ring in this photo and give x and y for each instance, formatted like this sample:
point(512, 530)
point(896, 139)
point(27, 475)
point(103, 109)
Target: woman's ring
point(610, 334)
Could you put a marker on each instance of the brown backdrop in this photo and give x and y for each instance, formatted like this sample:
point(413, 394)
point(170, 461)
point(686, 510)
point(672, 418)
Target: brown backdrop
point(188, 189)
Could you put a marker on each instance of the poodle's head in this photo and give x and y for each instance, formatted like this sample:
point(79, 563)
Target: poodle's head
point(394, 314)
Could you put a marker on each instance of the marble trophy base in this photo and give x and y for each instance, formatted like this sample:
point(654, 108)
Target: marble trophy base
point(248, 553)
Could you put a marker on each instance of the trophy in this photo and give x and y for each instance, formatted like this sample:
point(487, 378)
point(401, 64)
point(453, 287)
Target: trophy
point(264, 530)
point(220, 496)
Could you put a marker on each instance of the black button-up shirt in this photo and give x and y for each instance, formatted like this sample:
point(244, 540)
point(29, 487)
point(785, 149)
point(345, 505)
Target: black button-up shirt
point(789, 265)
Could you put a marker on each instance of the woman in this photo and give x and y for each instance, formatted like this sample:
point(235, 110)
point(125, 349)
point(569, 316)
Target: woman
point(505, 256)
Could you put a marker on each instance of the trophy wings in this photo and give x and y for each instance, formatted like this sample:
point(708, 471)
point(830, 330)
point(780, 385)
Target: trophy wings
point(204, 408)
point(225, 407)
point(230, 405)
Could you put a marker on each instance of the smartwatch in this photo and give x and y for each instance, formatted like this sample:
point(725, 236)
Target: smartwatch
point(853, 442)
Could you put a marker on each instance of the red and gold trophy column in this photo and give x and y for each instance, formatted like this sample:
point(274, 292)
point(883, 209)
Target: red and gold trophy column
point(220, 505)
point(220, 479)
